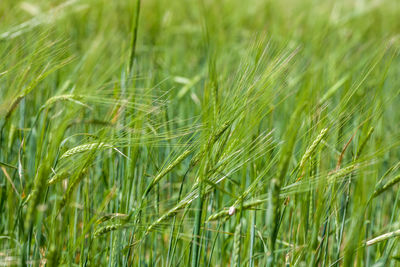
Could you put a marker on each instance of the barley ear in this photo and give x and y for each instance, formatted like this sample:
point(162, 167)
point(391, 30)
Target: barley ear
point(236, 246)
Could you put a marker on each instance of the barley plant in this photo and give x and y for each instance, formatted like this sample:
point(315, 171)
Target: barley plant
point(199, 133)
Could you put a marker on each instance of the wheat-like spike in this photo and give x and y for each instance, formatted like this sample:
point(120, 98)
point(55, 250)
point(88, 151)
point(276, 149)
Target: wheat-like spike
point(232, 209)
point(371, 130)
point(238, 201)
point(310, 150)
point(342, 172)
point(236, 246)
point(383, 237)
point(106, 229)
point(110, 216)
point(194, 193)
point(220, 214)
point(83, 148)
point(213, 138)
point(114, 250)
point(172, 211)
point(13, 106)
point(72, 98)
point(221, 130)
point(34, 196)
point(273, 212)
point(176, 162)
point(71, 188)
point(58, 177)
point(255, 202)
point(388, 185)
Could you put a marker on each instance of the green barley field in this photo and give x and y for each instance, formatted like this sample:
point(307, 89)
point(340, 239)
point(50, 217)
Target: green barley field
point(199, 133)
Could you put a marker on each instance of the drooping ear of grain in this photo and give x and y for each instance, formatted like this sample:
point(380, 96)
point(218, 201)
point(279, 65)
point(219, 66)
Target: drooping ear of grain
point(83, 148)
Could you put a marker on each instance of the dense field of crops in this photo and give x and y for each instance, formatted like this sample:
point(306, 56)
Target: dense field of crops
point(199, 133)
